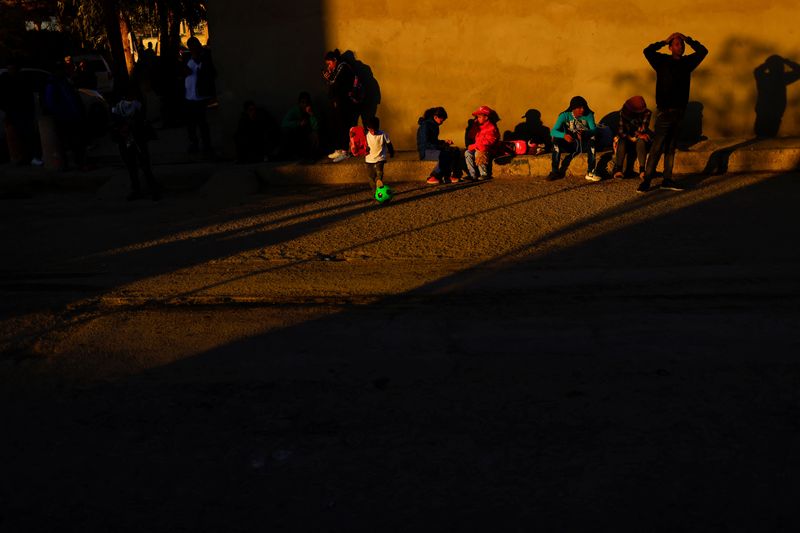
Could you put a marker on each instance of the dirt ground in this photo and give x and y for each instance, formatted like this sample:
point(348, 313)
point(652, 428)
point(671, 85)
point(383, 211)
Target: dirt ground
point(514, 355)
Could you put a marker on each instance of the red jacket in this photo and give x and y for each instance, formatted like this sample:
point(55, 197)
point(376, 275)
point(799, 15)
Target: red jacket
point(487, 140)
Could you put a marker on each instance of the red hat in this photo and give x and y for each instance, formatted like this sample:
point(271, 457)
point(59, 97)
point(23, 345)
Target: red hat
point(635, 104)
point(483, 110)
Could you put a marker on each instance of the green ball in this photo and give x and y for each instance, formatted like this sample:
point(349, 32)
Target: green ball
point(383, 194)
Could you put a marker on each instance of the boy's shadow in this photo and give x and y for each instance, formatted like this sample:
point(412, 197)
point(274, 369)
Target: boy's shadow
point(531, 130)
point(372, 90)
point(772, 77)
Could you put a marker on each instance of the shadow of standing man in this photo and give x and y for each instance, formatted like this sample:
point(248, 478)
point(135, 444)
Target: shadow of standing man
point(771, 81)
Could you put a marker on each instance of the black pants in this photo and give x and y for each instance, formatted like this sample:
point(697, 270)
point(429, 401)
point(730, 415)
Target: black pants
point(624, 146)
point(665, 140)
point(136, 156)
point(375, 172)
point(195, 114)
point(345, 116)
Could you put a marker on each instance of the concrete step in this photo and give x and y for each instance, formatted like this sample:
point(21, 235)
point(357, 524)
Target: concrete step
point(709, 156)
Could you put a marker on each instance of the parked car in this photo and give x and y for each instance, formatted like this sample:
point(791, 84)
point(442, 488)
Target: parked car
point(98, 65)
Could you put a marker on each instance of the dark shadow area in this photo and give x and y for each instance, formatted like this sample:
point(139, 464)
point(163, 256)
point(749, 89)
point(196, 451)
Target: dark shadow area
point(690, 131)
point(651, 368)
point(718, 160)
point(531, 130)
point(772, 77)
point(372, 89)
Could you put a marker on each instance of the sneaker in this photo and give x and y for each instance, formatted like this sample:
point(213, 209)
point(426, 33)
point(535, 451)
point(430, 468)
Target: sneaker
point(433, 180)
point(455, 179)
point(591, 176)
point(644, 186)
point(670, 185)
point(484, 178)
point(335, 154)
point(341, 157)
point(619, 175)
point(37, 162)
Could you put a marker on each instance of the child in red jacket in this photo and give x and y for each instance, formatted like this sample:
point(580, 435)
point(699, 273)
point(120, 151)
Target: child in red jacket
point(479, 154)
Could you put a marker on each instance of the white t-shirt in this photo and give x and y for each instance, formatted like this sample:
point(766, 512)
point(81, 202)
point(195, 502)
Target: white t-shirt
point(377, 146)
point(190, 82)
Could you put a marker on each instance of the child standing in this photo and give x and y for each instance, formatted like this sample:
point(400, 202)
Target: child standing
point(378, 147)
point(132, 133)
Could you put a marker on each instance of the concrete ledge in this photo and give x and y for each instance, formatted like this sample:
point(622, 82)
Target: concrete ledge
point(213, 177)
point(709, 157)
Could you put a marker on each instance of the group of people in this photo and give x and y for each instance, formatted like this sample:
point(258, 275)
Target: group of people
point(575, 130)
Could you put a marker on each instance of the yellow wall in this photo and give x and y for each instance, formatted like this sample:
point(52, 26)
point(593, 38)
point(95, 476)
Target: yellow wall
point(510, 55)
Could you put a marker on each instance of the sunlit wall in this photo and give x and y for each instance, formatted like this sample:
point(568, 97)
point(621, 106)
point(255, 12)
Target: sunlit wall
point(509, 55)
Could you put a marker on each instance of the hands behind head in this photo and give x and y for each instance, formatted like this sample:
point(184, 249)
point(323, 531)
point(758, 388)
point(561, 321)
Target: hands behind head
point(678, 34)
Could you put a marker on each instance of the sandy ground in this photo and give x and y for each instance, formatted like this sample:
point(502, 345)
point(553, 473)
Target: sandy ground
point(514, 355)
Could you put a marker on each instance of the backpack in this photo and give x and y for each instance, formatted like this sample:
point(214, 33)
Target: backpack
point(358, 141)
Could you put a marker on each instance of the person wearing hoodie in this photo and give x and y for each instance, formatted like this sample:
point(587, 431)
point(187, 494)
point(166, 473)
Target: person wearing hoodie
point(480, 153)
point(431, 148)
point(573, 133)
point(633, 134)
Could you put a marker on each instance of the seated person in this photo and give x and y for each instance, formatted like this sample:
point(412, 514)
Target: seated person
point(300, 131)
point(251, 135)
point(479, 154)
point(431, 148)
point(633, 134)
point(573, 133)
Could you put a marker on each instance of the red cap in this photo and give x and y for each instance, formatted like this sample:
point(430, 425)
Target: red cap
point(482, 110)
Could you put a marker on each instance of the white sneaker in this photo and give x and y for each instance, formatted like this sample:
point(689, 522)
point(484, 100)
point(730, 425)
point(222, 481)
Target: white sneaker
point(341, 157)
point(335, 154)
point(36, 162)
point(591, 176)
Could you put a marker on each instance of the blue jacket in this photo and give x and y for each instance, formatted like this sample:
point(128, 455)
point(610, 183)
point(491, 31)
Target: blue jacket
point(567, 123)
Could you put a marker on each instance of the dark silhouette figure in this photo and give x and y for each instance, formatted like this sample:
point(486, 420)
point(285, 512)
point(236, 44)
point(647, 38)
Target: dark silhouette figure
point(345, 95)
point(690, 130)
point(132, 133)
point(368, 107)
point(673, 79)
point(252, 134)
point(772, 78)
point(531, 131)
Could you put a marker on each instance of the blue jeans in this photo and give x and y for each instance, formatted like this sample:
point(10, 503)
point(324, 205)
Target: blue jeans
point(473, 168)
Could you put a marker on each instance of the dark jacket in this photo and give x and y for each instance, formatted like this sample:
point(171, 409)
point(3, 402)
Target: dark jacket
point(427, 136)
point(340, 83)
point(673, 75)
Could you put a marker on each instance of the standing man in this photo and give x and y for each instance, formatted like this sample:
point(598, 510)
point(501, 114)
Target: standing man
point(200, 91)
point(673, 76)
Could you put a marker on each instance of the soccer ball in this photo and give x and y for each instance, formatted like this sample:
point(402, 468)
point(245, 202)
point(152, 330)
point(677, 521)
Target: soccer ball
point(383, 194)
